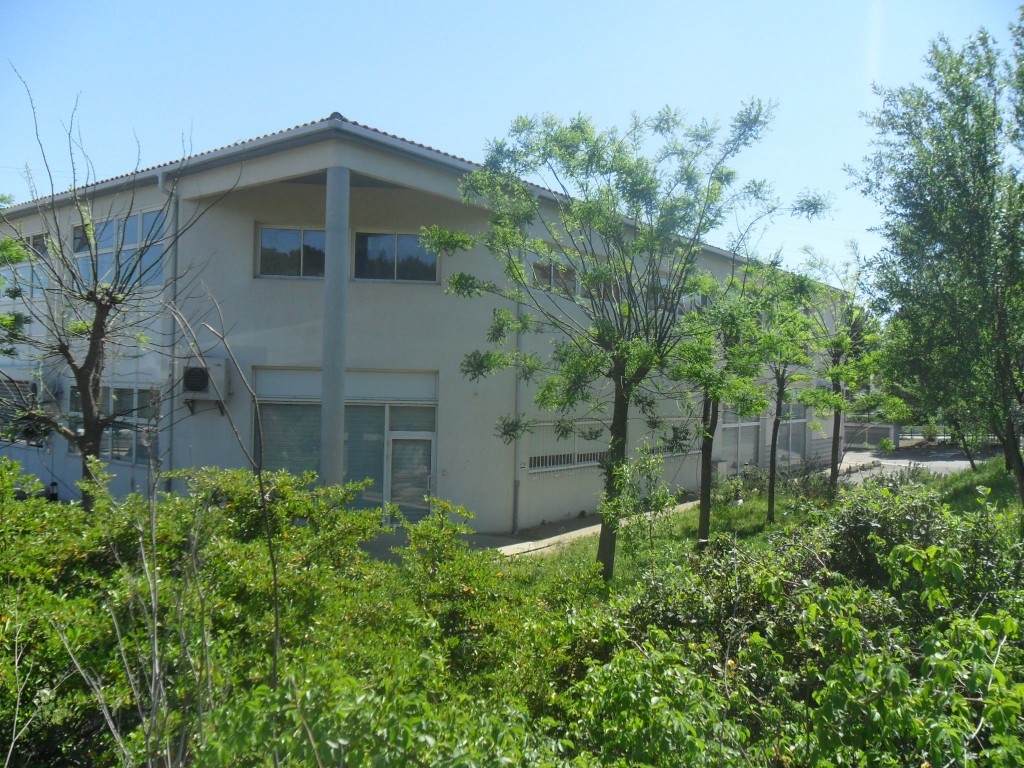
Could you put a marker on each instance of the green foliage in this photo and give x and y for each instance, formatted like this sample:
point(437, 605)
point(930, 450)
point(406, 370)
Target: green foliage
point(886, 631)
point(606, 262)
point(945, 167)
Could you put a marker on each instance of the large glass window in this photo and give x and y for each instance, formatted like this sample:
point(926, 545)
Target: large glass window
point(393, 257)
point(389, 445)
point(292, 252)
point(126, 250)
point(393, 446)
point(291, 436)
point(133, 439)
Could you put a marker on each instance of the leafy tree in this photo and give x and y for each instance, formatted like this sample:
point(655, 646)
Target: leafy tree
point(625, 220)
point(915, 353)
point(945, 168)
point(786, 342)
point(720, 356)
point(846, 338)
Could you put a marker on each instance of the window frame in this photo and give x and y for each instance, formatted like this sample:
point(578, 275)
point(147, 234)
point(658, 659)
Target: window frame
point(152, 237)
point(302, 230)
point(138, 425)
point(556, 281)
point(396, 234)
point(390, 433)
point(572, 458)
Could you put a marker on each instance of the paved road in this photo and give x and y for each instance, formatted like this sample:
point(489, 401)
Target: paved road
point(939, 459)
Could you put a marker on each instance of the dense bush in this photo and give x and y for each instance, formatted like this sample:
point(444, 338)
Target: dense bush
point(888, 632)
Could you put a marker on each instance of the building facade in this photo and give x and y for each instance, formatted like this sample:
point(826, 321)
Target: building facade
point(303, 287)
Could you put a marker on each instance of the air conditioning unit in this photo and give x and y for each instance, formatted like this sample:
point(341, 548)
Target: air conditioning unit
point(204, 380)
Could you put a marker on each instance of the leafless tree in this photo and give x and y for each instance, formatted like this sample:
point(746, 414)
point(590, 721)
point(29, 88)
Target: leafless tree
point(87, 277)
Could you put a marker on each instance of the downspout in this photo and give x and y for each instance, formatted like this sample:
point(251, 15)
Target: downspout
point(175, 217)
point(516, 445)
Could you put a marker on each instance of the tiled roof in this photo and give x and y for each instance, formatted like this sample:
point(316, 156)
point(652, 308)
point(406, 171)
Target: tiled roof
point(335, 116)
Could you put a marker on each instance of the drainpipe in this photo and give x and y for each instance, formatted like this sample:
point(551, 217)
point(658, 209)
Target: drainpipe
point(174, 208)
point(516, 445)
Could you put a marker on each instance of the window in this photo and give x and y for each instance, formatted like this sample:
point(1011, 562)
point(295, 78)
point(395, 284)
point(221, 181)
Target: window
point(391, 445)
point(693, 302)
point(792, 434)
point(16, 396)
point(558, 278)
point(122, 250)
point(26, 279)
point(740, 439)
point(133, 439)
point(292, 252)
point(291, 436)
point(393, 257)
point(585, 448)
point(675, 436)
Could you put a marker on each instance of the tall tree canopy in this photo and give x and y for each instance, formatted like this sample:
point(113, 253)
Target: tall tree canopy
point(597, 234)
point(945, 168)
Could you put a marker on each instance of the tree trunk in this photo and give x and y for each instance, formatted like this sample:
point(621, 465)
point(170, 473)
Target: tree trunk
point(709, 423)
point(1013, 457)
point(773, 466)
point(837, 438)
point(89, 448)
point(961, 438)
point(616, 458)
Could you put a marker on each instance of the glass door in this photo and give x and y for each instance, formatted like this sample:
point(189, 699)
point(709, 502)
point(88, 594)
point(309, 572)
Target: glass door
point(411, 475)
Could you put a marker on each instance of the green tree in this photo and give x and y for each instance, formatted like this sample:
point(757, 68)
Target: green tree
point(785, 344)
point(625, 218)
point(720, 357)
point(945, 168)
point(846, 338)
point(916, 352)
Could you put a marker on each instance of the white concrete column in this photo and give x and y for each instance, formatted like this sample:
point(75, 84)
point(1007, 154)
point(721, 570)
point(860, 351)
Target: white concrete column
point(336, 278)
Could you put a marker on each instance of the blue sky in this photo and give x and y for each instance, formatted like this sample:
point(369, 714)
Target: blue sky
point(454, 74)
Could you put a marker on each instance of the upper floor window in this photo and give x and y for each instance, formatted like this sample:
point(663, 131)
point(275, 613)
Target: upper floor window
point(393, 257)
point(292, 252)
point(559, 278)
point(121, 249)
point(25, 279)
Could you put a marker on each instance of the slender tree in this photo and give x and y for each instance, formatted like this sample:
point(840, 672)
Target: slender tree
point(603, 261)
point(720, 357)
point(846, 338)
point(786, 342)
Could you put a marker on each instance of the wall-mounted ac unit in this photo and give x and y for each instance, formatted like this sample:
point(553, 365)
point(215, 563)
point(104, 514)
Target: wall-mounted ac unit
point(205, 379)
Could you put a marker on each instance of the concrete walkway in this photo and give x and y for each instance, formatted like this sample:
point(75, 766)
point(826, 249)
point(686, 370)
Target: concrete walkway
point(856, 466)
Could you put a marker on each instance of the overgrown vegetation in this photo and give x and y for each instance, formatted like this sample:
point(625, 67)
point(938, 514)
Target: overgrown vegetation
point(884, 630)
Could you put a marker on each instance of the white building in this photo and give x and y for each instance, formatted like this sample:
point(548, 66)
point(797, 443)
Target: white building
point(309, 264)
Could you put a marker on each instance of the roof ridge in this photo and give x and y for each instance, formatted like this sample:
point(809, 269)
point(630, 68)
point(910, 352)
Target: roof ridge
point(185, 160)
